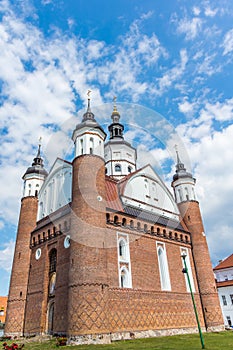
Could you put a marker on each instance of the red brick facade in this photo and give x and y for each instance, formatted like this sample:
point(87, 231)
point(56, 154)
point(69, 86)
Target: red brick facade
point(190, 212)
point(87, 298)
point(20, 270)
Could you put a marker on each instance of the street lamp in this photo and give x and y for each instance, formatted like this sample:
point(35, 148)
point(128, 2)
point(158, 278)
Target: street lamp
point(185, 270)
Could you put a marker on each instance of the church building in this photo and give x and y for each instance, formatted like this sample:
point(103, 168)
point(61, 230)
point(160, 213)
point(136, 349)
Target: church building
point(99, 246)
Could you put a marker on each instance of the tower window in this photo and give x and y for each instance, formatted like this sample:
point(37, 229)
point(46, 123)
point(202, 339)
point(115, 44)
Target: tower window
point(53, 260)
point(186, 193)
point(91, 145)
point(129, 169)
point(81, 145)
point(117, 168)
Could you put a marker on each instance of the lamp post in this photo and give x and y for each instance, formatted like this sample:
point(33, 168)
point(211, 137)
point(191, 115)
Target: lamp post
point(185, 270)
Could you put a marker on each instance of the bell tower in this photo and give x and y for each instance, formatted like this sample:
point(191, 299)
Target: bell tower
point(33, 180)
point(120, 156)
point(88, 273)
point(184, 189)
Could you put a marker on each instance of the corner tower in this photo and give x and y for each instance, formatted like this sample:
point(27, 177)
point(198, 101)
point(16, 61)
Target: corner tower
point(184, 189)
point(33, 180)
point(88, 273)
point(120, 156)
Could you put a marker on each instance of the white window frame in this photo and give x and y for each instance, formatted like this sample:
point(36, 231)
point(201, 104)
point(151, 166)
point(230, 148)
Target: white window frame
point(124, 260)
point(163, 267)
point(184, 250)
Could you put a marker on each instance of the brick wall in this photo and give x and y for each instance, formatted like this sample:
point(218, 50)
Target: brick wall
point(20, 268)
point(191, 215)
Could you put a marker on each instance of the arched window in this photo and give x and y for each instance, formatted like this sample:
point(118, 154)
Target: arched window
point(129, 169)
point(124, 222)
point(180, 194)
point(116, 220)
point(131, 224)
point(125, 283)
point(194, 197)
point(50, 318)
point(81, 146)
point(186, 193)
point(118, 168)
point(53, 260)
point(91, 145)
point(163, 268)
point(122, 249)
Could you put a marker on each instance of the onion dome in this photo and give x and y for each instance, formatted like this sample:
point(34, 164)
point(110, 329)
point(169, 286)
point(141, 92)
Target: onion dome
point(116, 129)
point(180, 170)
point(88, 118)
point(37, 165)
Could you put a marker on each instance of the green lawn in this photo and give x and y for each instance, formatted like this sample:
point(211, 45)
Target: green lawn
point(213, 341)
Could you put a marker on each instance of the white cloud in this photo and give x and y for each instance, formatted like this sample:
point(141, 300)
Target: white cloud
point(212, 158)
point(186, 107)
point(209, 12)
point(228, 42)
point(196, 11)
point(191, 27)
point(2, 225)
point(46, 2)
point(173, 74)
point(218, 111)
point(6, 255)
point(43, 76)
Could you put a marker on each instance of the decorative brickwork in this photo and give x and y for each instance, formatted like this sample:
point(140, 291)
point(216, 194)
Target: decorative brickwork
point(191, 215)
point(97, 309)
point(21, 263)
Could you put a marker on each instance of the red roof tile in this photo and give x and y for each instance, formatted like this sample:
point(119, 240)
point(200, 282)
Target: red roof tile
point(112, 195)
point(226, 263)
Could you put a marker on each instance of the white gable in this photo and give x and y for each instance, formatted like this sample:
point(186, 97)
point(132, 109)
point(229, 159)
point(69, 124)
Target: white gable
point(56, 190)
point(146, 190)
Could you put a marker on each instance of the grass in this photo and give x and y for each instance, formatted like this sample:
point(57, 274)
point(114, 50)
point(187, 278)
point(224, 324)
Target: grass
point(213, 341)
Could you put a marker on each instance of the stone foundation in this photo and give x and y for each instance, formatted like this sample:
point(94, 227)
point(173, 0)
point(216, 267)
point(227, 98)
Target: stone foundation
point(108, 338)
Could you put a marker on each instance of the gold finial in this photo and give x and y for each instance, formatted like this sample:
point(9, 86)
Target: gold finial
point(114, 106)
point(88, 94)
point(40, 141)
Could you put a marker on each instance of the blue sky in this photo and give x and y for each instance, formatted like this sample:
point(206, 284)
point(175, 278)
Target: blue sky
point(173, 57)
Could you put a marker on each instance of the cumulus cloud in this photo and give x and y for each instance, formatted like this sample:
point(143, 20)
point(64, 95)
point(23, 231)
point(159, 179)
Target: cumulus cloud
point(190, 27)
point(212, 159)
point(6, 255)
point(210, 12)
point(173, 74)
point(228, 42)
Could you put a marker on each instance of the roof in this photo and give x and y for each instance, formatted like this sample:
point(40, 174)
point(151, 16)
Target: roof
point(224, 264)
point(153, 218)
point(114, 202)
point(112, 195)
point(224, 283)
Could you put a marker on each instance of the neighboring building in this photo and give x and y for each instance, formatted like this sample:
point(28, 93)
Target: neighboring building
point(224, 276)
point(99, 244)
point(3, 305)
